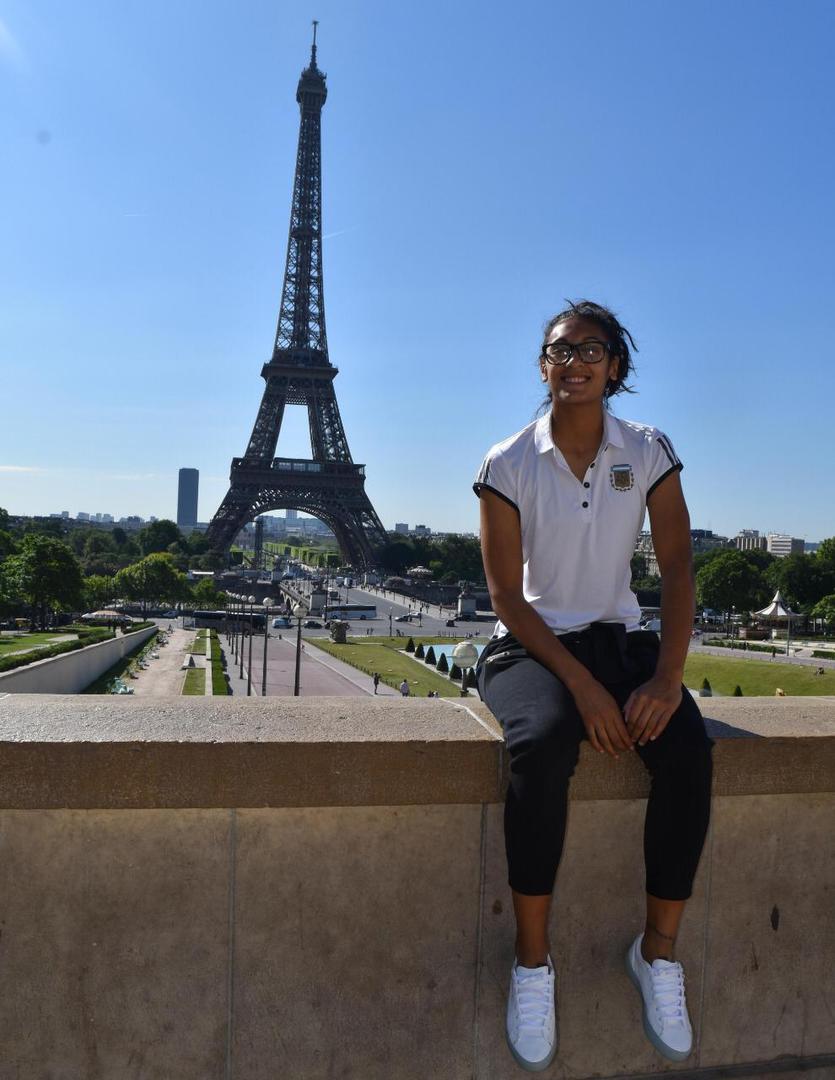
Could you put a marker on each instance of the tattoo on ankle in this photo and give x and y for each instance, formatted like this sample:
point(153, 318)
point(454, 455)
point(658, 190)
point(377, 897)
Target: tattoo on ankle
point(655, 930)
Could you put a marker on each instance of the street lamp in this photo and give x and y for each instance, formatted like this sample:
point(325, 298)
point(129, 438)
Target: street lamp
point(249, 661)
point(233, 604)
point(299, 611)
point(266, 637)
point(242, 601)
point(390, 611)
point(465, 655)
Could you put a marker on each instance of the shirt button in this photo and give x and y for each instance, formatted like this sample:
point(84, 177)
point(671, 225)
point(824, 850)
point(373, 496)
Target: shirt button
point(585, 504)
point(586, 483)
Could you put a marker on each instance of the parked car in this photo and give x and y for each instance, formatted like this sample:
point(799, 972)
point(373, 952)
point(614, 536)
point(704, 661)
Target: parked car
point(312, 624)
point(281, 623)
point(169, 615)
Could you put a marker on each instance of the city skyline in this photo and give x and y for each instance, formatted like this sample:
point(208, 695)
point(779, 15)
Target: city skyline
point(143, 263)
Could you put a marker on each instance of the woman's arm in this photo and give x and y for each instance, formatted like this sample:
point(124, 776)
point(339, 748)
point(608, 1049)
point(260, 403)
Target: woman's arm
point(650, 707)
point(501, 550)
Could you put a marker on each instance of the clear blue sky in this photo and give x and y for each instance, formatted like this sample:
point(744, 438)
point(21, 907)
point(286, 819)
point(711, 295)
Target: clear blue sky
point(481, 163)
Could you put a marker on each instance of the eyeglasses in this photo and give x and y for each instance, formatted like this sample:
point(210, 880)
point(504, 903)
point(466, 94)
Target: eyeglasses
point(590, 352)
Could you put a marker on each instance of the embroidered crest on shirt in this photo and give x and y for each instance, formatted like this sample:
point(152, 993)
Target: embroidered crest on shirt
point(621, 478)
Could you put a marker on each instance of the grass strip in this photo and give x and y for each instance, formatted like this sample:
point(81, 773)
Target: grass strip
point(756, 678)
point(195, 681)
point(220, 684)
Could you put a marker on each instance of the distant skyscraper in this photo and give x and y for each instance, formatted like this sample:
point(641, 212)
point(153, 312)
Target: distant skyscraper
point(401, 527)
point(187, 497)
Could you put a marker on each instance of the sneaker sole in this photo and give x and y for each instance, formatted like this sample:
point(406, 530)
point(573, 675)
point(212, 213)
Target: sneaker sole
point(662, 1048)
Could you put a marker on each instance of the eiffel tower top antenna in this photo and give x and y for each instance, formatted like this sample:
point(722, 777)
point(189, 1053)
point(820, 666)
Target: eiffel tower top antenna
point(313, 49)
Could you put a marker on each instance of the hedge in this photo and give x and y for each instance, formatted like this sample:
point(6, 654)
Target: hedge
point(442, 665)
point(410, 645)
point(429, 656)
point(89, 637)
point(419, 653)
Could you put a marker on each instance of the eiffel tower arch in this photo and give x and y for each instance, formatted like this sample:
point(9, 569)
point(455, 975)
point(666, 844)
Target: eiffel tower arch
point(329, 485)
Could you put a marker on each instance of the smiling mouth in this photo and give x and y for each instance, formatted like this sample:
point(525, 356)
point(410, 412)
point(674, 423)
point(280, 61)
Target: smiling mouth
point(575, 380)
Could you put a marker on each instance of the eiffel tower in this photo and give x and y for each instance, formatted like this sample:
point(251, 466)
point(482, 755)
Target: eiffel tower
point(330, 486)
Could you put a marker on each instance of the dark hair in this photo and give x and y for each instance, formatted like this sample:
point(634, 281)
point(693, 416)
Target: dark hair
point(617, 336)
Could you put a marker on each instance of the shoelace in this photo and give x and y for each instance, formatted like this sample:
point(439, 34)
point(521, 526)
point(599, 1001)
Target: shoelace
point(533, 999)
point(668, 993)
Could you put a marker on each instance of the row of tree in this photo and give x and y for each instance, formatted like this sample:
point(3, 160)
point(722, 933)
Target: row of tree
point(747, 580)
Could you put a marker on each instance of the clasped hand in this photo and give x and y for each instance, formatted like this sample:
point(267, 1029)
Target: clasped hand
point(645, 714)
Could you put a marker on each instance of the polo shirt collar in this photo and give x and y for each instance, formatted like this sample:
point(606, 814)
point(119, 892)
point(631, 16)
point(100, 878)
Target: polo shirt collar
point(612, 435)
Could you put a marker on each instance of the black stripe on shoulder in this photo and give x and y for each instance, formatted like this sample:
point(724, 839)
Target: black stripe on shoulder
point(479, 487)
point(673, 468)
point(668, 449)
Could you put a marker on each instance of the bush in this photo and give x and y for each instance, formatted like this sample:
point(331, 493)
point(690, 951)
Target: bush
point(823, 654)
point(705, 690)
point(419, 654)
point(442, 664)
point(455, 672)
point(429, 657)
point(410, 645)
point(470, 682)
point(737, 691)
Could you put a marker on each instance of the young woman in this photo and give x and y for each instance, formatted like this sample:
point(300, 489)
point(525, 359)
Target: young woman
point(562, 502)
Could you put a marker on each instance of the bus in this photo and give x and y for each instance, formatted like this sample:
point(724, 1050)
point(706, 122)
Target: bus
point(352, 611)
point(218, 618)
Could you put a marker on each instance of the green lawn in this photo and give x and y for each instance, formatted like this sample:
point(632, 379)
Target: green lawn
point(385, 655)
point(18, 643)
point(195, 681)
point(756, 678)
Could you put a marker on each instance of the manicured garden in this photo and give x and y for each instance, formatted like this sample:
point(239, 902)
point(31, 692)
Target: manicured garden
point(387, 656)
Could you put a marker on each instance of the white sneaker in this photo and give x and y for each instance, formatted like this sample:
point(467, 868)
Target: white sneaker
point(666, 1023)
point(531, 1016)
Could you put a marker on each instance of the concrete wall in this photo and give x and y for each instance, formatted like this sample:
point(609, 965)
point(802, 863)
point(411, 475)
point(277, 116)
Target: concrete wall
point(71, 672)
point(347, 914)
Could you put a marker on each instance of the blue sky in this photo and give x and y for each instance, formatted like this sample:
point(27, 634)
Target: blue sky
point(480, 163)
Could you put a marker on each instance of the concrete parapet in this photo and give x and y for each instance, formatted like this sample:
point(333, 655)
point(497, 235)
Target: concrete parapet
point(253, 889)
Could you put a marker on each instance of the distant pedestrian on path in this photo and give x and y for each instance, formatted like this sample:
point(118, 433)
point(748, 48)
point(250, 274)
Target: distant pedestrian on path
point(773, 652)
point(404, 688)
point(376, 681)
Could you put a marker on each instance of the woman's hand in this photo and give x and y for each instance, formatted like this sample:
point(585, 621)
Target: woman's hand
point(649, 708)
point(602, 718)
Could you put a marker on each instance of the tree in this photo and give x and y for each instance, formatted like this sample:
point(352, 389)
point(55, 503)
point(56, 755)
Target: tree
point(825, 553)
point(429, 657)
point(730, 580)
point(802, 579)
point(206, 596)
point(153, 578)
point(7, 544)
point(98, 590)
point(45, 574)
point(825, 609)
point(157, 536)
point(443, 664)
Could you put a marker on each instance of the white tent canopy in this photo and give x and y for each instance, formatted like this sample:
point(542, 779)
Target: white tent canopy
point(777, 609)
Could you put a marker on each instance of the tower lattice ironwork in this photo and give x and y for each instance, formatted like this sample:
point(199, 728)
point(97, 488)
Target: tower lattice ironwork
point(330, 486)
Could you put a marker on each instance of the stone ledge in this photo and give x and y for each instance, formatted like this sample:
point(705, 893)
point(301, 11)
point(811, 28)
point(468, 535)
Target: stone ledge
point(91, 752)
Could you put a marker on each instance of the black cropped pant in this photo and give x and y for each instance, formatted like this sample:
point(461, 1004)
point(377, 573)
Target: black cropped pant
point(543, 731)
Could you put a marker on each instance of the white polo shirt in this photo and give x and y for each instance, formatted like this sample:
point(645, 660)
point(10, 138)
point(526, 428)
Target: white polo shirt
point(578, 536)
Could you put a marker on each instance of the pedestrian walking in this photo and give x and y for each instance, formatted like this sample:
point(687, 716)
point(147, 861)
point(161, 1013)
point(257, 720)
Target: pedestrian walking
point(404, 688)
point(376, 681)
point(568, 661)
